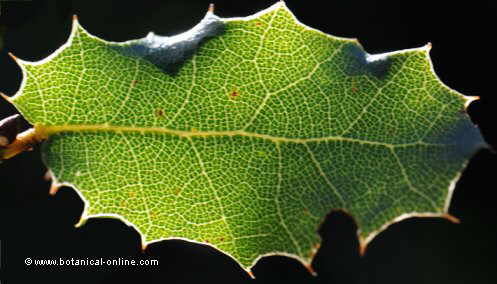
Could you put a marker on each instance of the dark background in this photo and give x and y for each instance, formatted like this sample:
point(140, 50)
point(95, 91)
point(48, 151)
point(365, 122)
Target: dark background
point(419, 250)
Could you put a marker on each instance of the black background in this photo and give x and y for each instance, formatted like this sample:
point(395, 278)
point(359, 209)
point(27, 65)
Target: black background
point(418, 250)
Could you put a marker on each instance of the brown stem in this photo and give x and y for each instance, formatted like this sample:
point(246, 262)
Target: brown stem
point(23, 142)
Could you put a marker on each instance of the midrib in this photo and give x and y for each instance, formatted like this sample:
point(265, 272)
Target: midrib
point(45, 131)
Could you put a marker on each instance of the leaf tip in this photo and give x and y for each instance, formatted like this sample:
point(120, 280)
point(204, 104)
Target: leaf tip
point(468, 100)
point(311, 270)
point(55, 185)
point(54, 188)
point(281, 4)
point(13, 57)
point(47, 176)
point(451, 218)
point(81, 222)
point(363, 245)
point(427, 46)
point(251, 274)
point(19, 61)
point(76, 26)
point(5, 97)
point(211, 8)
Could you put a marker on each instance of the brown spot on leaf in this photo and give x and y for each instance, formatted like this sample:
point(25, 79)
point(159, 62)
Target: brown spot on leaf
point(234, 94)
point(153, 215)
point(160, 113)
point(306, 211)
point(354, 86)
point(258, 24)
point(392, 131)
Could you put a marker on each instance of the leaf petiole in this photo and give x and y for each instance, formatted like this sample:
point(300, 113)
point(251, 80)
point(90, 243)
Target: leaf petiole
point(23, 142)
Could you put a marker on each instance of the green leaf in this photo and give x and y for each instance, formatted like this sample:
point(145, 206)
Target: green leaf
point(245, 133)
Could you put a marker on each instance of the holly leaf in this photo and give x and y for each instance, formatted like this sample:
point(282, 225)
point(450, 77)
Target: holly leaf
point(244, 133)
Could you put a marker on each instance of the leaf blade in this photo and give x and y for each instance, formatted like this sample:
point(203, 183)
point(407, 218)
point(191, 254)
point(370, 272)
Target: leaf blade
point(277, 128)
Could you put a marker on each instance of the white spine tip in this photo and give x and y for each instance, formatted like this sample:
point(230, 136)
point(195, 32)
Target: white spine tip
point(451, 218)
point(54, 188)
point(47, 176)
point(211, 8)
point(19, 62)
point(81, 222)
point(363, 245)
point(5, 97)
point(311, 270)
point(251, 274)
point(469, 100)
point(13, 56)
